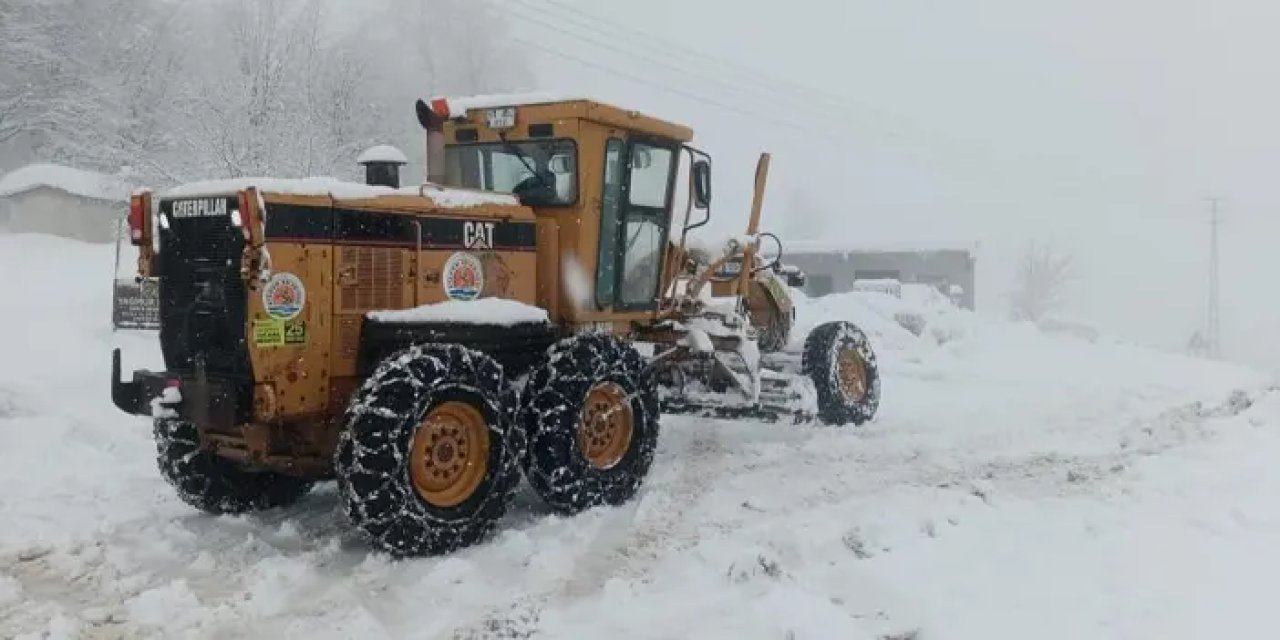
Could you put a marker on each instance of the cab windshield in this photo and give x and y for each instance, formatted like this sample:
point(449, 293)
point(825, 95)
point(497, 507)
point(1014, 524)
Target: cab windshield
point(506, 168)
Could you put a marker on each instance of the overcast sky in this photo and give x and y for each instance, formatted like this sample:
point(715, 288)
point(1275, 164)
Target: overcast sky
point(1098, 125)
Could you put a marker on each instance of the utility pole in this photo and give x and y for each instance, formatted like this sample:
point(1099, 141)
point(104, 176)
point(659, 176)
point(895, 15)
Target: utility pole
point(1213, 328)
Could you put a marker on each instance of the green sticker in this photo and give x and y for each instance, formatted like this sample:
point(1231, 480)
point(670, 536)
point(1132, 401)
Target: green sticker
point(268, 333)
point(295, 333)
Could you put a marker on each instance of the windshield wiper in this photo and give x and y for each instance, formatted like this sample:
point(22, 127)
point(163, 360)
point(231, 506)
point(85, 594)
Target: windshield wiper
point(524, 160)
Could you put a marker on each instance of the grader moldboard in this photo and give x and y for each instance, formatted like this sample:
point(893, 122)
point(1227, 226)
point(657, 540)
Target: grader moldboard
point(528, 311)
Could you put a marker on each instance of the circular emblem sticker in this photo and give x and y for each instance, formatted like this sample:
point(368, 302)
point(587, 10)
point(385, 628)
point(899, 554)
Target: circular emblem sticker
point(284, 296)
point(463, 277)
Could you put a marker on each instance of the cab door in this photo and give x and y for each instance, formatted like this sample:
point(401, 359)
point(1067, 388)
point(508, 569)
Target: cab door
point(635, 214)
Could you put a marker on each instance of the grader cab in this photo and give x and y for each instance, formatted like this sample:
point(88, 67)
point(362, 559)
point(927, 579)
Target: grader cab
point(529, 311)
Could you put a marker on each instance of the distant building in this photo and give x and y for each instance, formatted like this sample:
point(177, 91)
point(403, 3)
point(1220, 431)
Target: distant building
point(62, 201)
point(831, 268)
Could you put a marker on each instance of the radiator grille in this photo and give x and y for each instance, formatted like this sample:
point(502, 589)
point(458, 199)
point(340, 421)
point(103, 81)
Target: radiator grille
point(202, 298)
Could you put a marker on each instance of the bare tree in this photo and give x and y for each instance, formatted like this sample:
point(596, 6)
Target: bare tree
point(1040, 282)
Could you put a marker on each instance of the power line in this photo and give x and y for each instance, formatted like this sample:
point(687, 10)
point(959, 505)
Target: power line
point(658, 85)
point(836, 107)
point(590, 21)
point(648, 57)
point(831, 113)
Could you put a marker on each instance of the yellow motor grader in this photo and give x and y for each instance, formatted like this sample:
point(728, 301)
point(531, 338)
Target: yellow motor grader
point(530, 310)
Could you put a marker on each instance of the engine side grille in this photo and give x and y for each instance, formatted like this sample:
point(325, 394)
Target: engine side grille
point(371, 278)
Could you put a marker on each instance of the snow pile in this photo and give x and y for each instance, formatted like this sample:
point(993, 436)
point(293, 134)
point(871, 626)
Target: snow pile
point(86, 184)
point(340, 189)
point(485, 311)
point(919, 316)
point(1014, 485)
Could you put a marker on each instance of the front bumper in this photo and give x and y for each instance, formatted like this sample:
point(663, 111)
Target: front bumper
point(208, 402)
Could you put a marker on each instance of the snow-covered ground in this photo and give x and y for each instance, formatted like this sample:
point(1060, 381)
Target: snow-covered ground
point(1014, 485)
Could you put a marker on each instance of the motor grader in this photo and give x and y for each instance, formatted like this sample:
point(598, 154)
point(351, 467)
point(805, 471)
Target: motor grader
point(530, 310)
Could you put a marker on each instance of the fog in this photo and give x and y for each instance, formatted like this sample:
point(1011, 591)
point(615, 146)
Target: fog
point(1100, 126)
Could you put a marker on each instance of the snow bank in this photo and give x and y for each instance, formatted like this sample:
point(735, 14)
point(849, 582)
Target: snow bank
point(86, 184)
point(486, 311)
point(322, 186)
point(917, 317)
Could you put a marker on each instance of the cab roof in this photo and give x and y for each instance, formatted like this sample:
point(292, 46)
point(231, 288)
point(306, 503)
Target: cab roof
point(555, 106)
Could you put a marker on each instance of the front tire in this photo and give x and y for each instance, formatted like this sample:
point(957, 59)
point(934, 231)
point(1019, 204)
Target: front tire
point(428, 461)
point(590, 414)
point(839, 360)
point(214, 484)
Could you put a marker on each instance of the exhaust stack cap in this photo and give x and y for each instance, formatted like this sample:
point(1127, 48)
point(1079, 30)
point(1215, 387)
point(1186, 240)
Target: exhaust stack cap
point(382, 165)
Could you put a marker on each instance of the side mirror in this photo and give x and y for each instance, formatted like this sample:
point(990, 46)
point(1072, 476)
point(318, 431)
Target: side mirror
point(561, 164)
point(702, 184)
point(641, 158)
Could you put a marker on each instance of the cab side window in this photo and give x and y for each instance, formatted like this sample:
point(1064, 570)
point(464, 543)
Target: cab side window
point(610, 206)
point(645, 224)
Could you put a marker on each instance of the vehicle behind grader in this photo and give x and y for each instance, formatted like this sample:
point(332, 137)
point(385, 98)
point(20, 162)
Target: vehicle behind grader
point(529, 311)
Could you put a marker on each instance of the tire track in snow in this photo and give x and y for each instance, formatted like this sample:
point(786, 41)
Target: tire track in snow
point(630, 539)
point(209, 563)
point(628, 544)
point(634, 538)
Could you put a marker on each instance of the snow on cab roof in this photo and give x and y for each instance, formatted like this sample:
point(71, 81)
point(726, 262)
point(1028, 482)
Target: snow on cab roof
point(382, 153)
point(86, 184)
point(340, 189)
point(462, 104)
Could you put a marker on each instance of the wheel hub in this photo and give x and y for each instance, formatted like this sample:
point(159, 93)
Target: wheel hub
point(851, 374)
point(449, 456)
point(444, 452)
point(606, 425)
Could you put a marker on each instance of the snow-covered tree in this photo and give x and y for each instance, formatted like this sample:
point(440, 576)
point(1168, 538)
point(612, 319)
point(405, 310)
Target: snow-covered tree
point(170, 90)
point(1040, 282)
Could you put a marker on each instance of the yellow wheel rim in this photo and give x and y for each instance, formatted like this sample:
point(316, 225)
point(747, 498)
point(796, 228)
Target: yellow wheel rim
point(851, 374)
point(449, 455)
point(606, 425)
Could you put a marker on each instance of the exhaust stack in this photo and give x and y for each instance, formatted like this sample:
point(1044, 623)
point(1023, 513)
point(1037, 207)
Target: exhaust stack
point(432, 118)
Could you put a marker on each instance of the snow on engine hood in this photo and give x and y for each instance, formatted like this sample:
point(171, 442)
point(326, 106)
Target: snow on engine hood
point(340, 189)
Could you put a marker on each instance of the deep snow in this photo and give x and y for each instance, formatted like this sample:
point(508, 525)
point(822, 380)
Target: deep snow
point(1014, 485)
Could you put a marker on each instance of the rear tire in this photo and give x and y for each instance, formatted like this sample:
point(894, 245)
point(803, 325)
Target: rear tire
point(839, 360)
point(428, 462)
point(214, 484)
point(590, 414)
